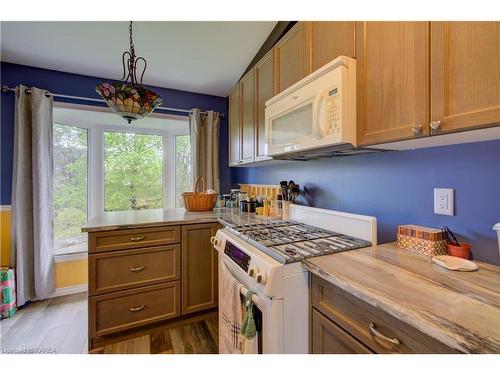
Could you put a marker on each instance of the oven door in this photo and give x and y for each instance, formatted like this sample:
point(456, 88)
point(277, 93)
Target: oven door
point(271, 310)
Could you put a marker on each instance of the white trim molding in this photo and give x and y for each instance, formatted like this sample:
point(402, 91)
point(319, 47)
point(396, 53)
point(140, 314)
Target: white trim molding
point(63, 258)
point(5, 207)
point(70, 290)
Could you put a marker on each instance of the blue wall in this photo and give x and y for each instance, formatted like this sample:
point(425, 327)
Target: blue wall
point(397, 188)
point(80, 85)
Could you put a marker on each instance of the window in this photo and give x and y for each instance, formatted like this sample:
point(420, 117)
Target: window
point(183, 168)
point(133, 171)
point(101, 164)
point(70, 183)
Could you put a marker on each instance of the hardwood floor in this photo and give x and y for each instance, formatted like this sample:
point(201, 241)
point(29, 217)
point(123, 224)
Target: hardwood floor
point(193, 338)
point(56, 325)
point(59, 325)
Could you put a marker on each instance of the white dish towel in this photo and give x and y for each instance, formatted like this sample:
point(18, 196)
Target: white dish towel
point(231, 341)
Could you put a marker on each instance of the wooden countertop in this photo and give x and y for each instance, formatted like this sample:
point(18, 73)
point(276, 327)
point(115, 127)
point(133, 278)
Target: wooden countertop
point(158, 217)
point(460, 309)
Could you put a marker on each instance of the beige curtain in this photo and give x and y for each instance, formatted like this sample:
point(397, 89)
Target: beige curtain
point(204, 130)
point(32, 243)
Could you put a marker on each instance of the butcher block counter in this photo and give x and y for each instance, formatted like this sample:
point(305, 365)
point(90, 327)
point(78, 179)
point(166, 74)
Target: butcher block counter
point(383, 299)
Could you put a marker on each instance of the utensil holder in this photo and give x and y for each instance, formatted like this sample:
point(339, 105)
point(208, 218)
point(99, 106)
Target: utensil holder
point(286, 210)
point(462, 251)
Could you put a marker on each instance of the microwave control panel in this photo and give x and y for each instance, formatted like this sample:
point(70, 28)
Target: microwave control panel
point(332, 112)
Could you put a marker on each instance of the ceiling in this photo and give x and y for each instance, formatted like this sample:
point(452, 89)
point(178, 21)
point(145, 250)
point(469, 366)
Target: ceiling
point(203, 57)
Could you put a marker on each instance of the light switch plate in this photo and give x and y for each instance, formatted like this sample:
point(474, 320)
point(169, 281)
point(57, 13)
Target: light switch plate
point(444, 201)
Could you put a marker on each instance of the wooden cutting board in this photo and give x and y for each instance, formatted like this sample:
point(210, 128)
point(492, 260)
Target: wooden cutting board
point(454, 263)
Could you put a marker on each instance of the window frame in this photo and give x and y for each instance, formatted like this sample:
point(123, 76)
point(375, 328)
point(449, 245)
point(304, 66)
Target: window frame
point(95, 157)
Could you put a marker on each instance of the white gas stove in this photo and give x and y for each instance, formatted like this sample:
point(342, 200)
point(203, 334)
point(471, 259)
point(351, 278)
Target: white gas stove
point(265, 258)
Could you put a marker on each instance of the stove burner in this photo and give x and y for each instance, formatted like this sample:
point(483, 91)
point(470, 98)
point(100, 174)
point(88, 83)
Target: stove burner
point(289, 241)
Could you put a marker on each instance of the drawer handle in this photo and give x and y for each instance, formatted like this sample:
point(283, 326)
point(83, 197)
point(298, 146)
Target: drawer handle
point(137, 309)
point(137, 269)
point(377, 334)
point(138, 238)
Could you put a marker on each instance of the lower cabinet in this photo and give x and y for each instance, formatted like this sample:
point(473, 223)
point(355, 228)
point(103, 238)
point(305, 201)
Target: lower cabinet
point(132, 285)
point(115, 312)
point(329, 338)
point(342, 323)
point(199, 268)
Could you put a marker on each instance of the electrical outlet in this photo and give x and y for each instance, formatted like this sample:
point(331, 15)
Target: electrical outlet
point(443, 201)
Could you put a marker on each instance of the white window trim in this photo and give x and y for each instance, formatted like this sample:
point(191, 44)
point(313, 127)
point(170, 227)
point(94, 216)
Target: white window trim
point(96, 154)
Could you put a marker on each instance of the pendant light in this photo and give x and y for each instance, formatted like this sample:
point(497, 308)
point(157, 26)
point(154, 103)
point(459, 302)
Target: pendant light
point(129, 98)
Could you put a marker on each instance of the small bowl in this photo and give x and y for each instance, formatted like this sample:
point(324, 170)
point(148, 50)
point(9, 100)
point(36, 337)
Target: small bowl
point(462, 251)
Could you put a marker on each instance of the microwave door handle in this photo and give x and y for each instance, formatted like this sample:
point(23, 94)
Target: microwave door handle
point(316, 115)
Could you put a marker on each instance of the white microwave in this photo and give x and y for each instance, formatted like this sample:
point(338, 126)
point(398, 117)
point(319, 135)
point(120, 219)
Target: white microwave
point(316, 117)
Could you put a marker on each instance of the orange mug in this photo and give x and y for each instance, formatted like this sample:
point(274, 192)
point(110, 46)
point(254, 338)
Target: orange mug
point(462, 251)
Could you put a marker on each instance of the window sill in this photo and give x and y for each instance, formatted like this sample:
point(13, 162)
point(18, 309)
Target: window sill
point(71, 252)
point(62, 258)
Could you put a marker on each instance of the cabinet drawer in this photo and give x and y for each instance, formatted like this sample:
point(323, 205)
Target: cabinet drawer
point(133, 238)
point(119, 311)
point(119, 270)
point(328, 338)
point(355, 316)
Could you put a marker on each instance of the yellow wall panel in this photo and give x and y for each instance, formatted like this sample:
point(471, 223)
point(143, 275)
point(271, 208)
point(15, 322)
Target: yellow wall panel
point(5, 238)
point(71, 273)
point(67, 273)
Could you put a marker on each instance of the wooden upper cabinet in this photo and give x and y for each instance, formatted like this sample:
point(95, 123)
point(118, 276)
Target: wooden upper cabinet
point(293, 56)
point(392, 80)
point(234, 126)
point(199, 268)
point(465, 74)
point(247, 84)
point(264, 90)
point(330, 39)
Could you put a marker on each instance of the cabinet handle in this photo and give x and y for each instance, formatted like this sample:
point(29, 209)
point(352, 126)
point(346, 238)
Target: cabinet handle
point(417, 129)
point(377, 334)
point(435, 125)
point(138, 238)
point(137, 309)
point(137, 269)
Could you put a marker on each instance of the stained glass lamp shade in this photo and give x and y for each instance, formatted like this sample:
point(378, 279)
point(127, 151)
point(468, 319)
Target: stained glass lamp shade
point(130, 99)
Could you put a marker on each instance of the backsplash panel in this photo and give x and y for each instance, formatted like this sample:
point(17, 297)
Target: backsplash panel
point(397, 188)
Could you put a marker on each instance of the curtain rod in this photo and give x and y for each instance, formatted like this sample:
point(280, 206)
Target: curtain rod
point(6, 89)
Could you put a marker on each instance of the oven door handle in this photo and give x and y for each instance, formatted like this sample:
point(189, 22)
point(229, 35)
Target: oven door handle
point(257, 300)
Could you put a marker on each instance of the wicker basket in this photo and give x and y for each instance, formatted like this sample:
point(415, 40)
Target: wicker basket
point(199, 200)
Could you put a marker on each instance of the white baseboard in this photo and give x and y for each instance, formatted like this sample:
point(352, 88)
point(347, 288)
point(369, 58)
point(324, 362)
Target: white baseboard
point(70, 290)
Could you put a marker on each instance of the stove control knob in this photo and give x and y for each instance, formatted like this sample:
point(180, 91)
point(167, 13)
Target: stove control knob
point(215, 241)
point(261, 278)
point(253, 271)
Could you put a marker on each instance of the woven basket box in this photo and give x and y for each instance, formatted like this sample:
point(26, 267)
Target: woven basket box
point(421, 240)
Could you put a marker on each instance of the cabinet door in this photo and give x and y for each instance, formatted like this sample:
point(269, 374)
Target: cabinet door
point(392, 81)
point(247, 85)
point(465, 74)
point(328, 338)
point(293, 56)
point(264, 90)
point(199, 268)
point(234, 126)
point(329, 40)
